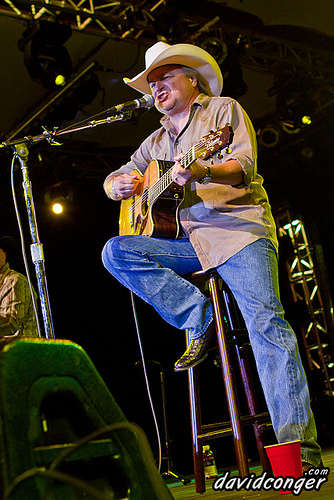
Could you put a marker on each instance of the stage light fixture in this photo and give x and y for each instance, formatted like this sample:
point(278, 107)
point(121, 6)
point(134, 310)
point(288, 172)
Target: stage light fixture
point(228, 58)
point(58, 197)
point(269, 136)
point(293, 101)
point(46, 59)
point(216, 47)
point(306, 120)
point(165, 20)
point(66, 108)
point(58, 206)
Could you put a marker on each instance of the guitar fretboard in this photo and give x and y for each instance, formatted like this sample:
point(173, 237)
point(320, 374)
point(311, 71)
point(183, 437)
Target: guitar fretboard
point(153, 193)
point(205, 147)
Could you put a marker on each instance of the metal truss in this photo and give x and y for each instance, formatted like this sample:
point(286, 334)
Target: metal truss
point(305, 287)
point(267, 53)
point(264, 51)
point(107, 19)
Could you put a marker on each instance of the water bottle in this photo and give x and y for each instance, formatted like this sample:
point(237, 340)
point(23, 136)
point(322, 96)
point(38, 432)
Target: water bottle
point(210, 469)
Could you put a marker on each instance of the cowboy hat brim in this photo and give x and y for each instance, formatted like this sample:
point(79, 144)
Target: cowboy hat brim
point(185, 55)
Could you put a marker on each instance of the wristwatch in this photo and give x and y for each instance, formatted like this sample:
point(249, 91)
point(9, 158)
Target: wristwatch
point(208, 176)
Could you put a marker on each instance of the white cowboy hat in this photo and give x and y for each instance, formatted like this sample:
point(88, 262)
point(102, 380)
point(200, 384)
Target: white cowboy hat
point(162, 53)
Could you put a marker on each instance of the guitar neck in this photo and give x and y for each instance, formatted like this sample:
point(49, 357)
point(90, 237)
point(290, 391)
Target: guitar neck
point(188, 158)
point(205, 148)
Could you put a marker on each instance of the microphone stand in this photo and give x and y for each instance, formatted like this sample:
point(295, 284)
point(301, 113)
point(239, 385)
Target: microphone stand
point(21, 153)
point(37, 254)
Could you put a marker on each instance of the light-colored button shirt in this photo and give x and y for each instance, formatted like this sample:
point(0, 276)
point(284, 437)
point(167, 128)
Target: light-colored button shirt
point(218, 219)
point(17, 316)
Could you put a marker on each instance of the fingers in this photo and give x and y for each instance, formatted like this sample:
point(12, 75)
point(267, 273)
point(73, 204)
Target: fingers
point(176, 174)
point(179, 175)
point(124, 185)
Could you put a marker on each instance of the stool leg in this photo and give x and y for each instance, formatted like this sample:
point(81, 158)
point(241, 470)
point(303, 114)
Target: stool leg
point(252, 405)
point(247, 382)
point(233, 407)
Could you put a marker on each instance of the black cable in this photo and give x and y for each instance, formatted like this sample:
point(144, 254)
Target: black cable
point(52, 474)
point(146, 380)
point(56, 476)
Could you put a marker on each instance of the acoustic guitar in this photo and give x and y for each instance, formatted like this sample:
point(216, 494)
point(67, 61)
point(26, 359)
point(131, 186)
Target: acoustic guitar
point(153, 208)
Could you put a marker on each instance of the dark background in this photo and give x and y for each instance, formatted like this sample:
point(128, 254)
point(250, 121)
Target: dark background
point(90, 307)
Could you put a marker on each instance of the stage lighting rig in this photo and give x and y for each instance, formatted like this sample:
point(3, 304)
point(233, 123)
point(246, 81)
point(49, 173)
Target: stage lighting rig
point(46, 59)
point(216, 47)
point(294, 101)
point(228, 57)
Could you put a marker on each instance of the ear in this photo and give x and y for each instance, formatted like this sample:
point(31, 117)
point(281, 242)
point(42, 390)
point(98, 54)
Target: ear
point(193, 80)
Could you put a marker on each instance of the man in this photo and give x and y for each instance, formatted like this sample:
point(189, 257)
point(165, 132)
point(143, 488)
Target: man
point(17, 317)
point(227, 224)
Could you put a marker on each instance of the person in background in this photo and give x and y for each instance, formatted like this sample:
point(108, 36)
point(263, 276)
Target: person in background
point(17, 316)
point(226, 223)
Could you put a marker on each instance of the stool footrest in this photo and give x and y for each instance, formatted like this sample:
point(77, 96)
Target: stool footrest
point(221, 429)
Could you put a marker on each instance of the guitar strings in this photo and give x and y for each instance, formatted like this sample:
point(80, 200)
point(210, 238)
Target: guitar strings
point(162, 183)
point(165, 180)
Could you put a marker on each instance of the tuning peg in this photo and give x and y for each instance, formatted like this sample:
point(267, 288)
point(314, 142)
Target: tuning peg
point(228, 150)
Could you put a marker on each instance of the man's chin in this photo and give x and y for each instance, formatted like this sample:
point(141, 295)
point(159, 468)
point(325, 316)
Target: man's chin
point(160, 107)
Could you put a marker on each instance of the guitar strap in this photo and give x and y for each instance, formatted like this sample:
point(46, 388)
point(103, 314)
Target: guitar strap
point(191, 115)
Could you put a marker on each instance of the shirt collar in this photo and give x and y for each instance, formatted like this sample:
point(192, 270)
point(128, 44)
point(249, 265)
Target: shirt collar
point(202, 100)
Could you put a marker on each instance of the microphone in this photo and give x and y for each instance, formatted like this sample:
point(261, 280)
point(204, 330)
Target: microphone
point(147, 101)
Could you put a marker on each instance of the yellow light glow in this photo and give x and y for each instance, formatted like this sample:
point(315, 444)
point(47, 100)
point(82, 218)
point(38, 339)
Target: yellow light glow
point(57, 208)
point(306, 120)
point(60, 80)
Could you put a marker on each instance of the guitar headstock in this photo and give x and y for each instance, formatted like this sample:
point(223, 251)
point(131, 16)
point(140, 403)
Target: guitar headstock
point(214, 141)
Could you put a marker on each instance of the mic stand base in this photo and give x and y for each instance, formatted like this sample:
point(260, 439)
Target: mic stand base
point(170, 473)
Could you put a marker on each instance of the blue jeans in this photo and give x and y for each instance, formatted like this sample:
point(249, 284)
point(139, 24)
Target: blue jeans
point(152, 269)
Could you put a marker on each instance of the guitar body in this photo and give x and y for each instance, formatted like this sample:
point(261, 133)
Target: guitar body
point(160, 219)
point(153, 208)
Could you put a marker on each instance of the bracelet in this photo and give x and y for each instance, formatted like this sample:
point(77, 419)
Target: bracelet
point(208, 176)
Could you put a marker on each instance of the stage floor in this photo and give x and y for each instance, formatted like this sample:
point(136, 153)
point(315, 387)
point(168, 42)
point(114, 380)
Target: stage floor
point(188, 492)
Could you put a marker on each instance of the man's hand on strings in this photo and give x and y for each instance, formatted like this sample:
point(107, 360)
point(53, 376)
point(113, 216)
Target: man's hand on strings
point(184, 176)
point(124, 185)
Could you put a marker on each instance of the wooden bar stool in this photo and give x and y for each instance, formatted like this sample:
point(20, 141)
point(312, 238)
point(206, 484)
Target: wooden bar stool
point(229, 335)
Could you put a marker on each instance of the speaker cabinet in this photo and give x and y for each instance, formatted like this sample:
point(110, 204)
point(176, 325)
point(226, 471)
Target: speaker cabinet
point(62, 434)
